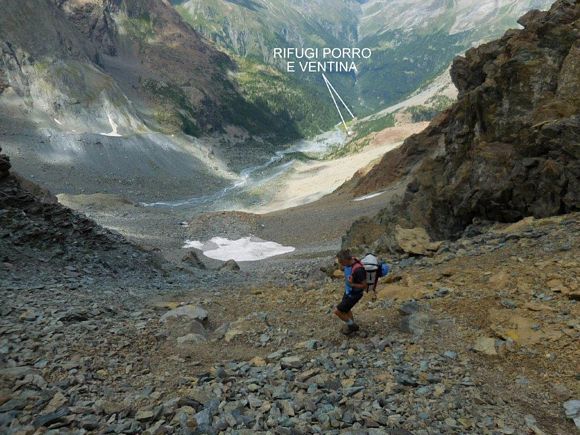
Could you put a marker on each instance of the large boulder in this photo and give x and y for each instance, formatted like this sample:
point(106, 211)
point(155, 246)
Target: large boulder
point(509, 148)
point(185, 312)
point(186, 324)
point(415, 241)
point(365, 234)
point(229, 266)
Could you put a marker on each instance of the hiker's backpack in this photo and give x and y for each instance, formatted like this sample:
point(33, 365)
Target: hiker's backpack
point(356, 266)
point(375, 269)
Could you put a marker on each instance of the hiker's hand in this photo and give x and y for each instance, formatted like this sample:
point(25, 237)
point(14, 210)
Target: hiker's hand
point(350, 279)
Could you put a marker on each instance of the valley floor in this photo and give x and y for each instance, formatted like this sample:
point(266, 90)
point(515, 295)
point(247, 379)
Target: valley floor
point(314, 229)
point(301, 211)
point(489, 346)
point(310, 181)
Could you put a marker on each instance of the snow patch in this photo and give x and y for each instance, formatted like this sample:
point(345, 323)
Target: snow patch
point(114, 127)
point(372, 195)
point(244, 249)
point(193, 244)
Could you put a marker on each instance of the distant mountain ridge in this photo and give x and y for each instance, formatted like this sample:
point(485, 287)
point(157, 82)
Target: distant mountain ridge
point(484, 16)
point(413, 41)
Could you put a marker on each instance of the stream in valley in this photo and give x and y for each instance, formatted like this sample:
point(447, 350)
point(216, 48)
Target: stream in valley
point(256, 184)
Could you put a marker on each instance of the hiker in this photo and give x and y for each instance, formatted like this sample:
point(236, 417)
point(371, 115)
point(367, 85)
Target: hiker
point(355, 279)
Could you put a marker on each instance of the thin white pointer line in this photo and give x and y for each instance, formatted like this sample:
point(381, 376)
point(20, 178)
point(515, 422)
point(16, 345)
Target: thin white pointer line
point(335, 103)
point(338, 95)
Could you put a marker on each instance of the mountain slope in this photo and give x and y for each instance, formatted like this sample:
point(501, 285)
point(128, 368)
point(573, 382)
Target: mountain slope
point(65, 119)
point(74, 59)
point(42, 239)
point(413, 42)
point(173, 77)
point(509, 147)
point(114, 91)
point(248, 31)
point(252, 28)
point(484, 17)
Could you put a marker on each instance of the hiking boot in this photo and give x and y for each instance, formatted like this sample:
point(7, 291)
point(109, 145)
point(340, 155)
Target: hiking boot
point(346, 330)
point(349, 329)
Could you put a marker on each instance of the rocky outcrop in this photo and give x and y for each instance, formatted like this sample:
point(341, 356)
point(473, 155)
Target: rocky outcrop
point(193, 260)
point(41, 240)
point(229, 266)
point(94, 19)
point(4, 165)
point(510, 146)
